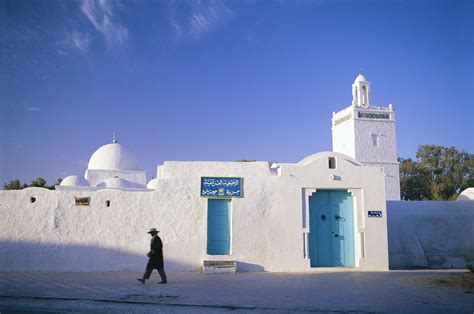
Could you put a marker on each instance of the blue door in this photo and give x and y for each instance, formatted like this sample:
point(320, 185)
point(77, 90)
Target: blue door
point(218, 226)
point(331, 229)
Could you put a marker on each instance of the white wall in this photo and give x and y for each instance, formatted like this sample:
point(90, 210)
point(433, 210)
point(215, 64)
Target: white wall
point(267, 223)
point(343, 140)
point(430, 234)
point(356, 138)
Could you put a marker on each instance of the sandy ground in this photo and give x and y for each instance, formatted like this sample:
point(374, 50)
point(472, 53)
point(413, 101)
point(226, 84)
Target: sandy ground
point(453, 281)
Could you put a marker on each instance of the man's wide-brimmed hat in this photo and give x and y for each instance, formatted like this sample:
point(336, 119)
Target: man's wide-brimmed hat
point(153, 230)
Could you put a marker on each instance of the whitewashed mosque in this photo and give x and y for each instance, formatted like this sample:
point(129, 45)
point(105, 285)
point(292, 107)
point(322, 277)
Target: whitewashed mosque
point(337, 210)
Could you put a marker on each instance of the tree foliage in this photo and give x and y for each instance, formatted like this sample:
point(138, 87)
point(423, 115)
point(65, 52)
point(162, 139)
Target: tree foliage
point(438, 173)
point(38, 182)
point(13, 185)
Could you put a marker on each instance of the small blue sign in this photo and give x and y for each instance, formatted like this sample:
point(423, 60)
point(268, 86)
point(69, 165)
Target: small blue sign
point(221, 187)
point(375, 213)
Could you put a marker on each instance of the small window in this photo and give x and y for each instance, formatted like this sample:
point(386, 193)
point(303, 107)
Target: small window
point(375, 140)
point(107, 203)
point(332, 162)
point(32, 199)
point(82, 201)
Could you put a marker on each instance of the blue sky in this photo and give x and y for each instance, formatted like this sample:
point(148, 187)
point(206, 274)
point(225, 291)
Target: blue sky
point(223, 80)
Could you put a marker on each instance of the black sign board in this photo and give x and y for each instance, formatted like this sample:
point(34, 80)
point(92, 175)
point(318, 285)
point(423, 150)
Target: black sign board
point(375, 213)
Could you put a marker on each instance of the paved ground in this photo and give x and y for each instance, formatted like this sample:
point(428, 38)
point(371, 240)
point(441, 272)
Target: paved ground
point(393, 291)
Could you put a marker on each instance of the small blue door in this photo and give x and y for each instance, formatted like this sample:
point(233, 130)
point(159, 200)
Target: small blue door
point(218, 226)
point(331, 230)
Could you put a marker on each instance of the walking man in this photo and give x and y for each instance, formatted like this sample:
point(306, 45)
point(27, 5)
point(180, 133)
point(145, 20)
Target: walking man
point(155, 260)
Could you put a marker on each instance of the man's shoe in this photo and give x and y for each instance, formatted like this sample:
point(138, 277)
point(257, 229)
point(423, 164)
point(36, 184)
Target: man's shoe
point(163, 282)
point(141, 280)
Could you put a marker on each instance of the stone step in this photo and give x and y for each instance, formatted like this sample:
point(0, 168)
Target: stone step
point(217, 267)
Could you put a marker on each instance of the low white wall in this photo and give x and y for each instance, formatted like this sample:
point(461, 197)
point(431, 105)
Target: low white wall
point(430, 234)
point(54, 234)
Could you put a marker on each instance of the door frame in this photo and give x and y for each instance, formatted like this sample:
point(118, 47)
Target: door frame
point(358, 221)
point(230, 225)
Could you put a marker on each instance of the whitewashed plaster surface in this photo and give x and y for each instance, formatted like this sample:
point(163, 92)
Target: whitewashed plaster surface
point(370, 141)
point(467, 194)
point(268, 223)
point(431, 234)
point(75, 181)
point(112, 161)
point(113, 156)
point(96, 176)
point(368, 134)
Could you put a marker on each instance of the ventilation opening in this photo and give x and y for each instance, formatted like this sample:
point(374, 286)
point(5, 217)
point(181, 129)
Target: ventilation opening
point(107, 203)
point(375, 139)
point(82, 201)
point(32, 199)
point(332, 162)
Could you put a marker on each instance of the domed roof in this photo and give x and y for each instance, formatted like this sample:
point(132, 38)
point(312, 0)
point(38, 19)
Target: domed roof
point(113, 157)
point(360, 78)
point(119, 183)
point(466, 195)
point(74, 181)
point(152, 184)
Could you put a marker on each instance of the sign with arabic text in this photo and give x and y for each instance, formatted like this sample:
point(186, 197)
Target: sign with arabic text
point(221, 187)
point(375, 213)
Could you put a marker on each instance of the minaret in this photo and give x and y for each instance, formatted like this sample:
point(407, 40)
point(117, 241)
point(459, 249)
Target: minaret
point(367, 133)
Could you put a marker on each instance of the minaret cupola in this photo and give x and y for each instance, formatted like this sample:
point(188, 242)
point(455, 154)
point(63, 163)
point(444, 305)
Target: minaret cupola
point(360, 92)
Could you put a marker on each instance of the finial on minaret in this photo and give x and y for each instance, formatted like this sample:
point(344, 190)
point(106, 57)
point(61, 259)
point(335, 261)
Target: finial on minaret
point(360, 71)
point(114, 140)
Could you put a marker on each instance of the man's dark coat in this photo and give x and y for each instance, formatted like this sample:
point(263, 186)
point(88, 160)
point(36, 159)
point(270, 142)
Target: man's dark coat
point(155, 254)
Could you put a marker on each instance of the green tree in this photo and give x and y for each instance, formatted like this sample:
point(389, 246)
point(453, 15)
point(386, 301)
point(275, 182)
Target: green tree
point(414, 181)
point(38, 182)
point(12, 185)
point(439, 173)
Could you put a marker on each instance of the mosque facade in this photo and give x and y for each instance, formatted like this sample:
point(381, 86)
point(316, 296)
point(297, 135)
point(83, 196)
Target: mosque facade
point(328, 210)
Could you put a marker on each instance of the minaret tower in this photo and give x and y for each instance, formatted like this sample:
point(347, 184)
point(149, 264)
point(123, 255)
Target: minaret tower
point(367, 133)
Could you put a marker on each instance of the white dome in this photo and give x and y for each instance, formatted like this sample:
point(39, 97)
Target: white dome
point(152, 184)
point(113, 157)
point(466, 195)
point(119, 183)
point(74, 181)
point(360, 78)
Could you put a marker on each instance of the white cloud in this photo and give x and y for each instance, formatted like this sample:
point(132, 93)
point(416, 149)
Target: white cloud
point(74, 41)
point(62, 53)
point(33, 108)
point(102, 16)
point(197, 17)
point(81, 40)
